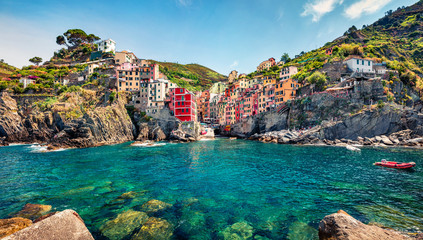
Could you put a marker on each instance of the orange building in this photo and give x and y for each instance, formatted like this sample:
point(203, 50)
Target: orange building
point(267, 80)
point(286, 90)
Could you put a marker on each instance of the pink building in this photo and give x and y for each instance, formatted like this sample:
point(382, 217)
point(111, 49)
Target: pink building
point(288, 72)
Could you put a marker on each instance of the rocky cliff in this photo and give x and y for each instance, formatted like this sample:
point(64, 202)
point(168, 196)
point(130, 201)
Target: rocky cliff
point(164, 126)
point(95, 125)
point(262, 123)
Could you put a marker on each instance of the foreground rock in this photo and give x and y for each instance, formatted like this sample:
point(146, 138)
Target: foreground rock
point(65, 225)
point(342, 226)
point(12, 225)
point(123, 225)
point(33, 211)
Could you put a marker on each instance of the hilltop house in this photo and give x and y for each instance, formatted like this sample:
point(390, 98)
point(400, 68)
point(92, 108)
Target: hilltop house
point(232, 76)
point(358, 64)
point(107, 45)
point(266, 65)
point(26, 81)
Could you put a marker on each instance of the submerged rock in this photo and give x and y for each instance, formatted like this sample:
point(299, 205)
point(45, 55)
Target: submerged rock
point(33, 211)
point(154, 229)
point(301, 231)
point(123, 225)
point(12, 225)
point(65, 225)
point(239, 230)
point(154, 205)
point(128, 195)
point(342, 226)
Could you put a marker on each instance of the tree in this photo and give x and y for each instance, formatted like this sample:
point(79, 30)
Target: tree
point(74, 37)
point(285, 58)
point(319, 79)
point(36, 60)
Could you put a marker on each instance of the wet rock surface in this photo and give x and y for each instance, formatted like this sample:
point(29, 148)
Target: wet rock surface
point(342, 226)
point(12, 225)
point(33, 211)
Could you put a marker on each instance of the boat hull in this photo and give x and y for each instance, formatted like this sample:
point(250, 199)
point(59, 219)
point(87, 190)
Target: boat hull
point(396, 165)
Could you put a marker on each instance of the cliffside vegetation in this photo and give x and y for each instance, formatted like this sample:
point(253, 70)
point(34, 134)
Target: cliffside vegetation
point(44, 78)
point(396, 39)
point(6, 70)
point(194, 77)
point(79, 45)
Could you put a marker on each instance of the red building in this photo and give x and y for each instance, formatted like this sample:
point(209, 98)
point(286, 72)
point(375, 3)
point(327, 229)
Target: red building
point(183, 104)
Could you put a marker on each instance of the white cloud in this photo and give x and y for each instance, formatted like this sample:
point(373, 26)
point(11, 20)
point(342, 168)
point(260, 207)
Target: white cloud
point(365, 6)
point(235, 64)
point(318, 8)
point(184, 3)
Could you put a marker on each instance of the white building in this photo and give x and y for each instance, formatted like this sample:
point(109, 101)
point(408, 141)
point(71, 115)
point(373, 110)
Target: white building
point(288, 72)
point(153, 95)
point(26, 82)
point(357, 64)
point(107, 46)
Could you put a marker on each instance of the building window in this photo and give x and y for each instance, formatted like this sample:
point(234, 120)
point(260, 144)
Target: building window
point(358, 62)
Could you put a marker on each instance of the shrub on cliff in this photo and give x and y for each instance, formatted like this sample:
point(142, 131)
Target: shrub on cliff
point(112, 97)
point(319, 79)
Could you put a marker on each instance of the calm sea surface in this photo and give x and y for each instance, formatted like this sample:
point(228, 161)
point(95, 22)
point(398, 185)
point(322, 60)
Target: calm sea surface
point(281, 191)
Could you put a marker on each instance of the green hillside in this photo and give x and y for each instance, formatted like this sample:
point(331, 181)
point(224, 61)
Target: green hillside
point(396, 39)
point(191, 76)
point(6, 70)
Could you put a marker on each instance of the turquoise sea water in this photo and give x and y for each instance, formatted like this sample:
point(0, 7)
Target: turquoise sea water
point(281, 191)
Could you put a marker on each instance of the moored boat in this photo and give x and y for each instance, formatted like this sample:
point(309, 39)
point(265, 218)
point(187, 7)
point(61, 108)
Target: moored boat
point(352, 148)
point(397, 165)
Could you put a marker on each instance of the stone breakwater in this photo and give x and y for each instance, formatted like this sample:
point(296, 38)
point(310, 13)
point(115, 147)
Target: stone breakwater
point(312, 136)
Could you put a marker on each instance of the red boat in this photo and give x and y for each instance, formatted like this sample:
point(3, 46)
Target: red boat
point(397, 165)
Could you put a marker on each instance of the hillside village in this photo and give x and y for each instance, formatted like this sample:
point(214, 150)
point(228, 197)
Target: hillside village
point(338, 69)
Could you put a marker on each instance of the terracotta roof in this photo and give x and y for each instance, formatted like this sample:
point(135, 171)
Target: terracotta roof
point(357, 57)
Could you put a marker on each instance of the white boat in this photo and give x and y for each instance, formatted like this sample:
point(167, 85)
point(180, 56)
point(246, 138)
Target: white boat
point(352, 148)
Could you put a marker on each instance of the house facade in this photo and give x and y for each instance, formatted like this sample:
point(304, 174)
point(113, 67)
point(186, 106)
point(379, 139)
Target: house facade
point(358, 64)
point(288, 72)
point(183, 104)
point(266, 65)
point(107, 46)
point(286, 90)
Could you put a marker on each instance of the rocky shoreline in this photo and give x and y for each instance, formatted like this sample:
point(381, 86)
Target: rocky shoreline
point(403, 138)
point(37, 221)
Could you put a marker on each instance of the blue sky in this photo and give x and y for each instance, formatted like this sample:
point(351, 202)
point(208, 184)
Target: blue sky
point(220, 34)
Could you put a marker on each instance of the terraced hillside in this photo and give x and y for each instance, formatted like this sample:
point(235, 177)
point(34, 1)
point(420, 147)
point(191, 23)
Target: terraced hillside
point(195, 77)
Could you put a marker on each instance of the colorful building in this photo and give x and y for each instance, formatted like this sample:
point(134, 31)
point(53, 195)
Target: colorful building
point(288, 72)
point(107, 45)
point(129, 76)
point(286, 90)
point(183, 104)
point(266, 65)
